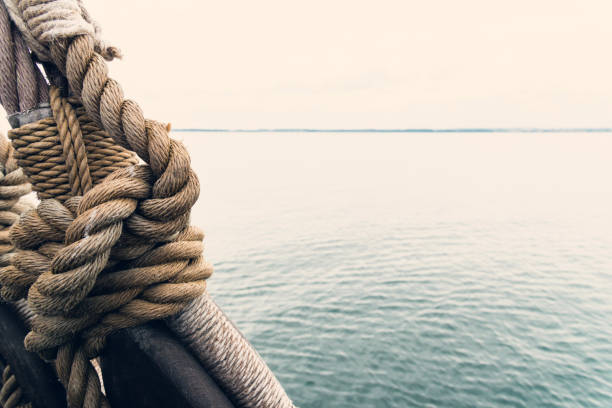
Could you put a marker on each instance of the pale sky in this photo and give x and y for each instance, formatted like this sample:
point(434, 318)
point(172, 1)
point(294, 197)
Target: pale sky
point(357, 64)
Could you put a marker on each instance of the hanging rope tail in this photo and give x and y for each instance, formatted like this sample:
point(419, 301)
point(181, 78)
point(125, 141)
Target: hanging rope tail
point(110, 245)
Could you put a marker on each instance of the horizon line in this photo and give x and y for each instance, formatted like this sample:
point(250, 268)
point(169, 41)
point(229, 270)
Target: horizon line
point(402, 130)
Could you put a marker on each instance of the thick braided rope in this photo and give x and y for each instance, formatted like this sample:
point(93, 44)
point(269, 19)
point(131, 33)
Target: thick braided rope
point(71, 139)
point(11, 394)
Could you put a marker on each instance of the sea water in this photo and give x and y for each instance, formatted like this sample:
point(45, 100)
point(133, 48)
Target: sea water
point(416, 269)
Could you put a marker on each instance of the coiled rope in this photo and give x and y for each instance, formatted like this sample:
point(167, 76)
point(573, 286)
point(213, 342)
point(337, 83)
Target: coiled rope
point(13, 186)
point(110, 244)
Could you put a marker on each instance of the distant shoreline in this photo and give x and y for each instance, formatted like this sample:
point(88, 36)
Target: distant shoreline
point(450, 130)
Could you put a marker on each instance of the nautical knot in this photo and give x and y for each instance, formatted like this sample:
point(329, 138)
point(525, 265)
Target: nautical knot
point(93, 265)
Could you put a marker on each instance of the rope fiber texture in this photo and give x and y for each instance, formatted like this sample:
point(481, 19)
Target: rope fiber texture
point(13, 186)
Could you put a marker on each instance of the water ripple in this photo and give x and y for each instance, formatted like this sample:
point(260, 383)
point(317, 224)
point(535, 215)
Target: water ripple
point(367, 284)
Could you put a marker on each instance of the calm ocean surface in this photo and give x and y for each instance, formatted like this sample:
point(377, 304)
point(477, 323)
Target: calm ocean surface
point(416, 270)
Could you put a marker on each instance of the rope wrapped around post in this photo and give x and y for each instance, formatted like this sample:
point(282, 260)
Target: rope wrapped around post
point(13, 186)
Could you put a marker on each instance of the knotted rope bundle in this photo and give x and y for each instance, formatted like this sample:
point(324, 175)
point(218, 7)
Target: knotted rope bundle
point(105, 253)
point(140, 282)
point(120, 255)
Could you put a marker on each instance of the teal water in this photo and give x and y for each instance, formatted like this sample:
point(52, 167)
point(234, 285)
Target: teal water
point(416, 270)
